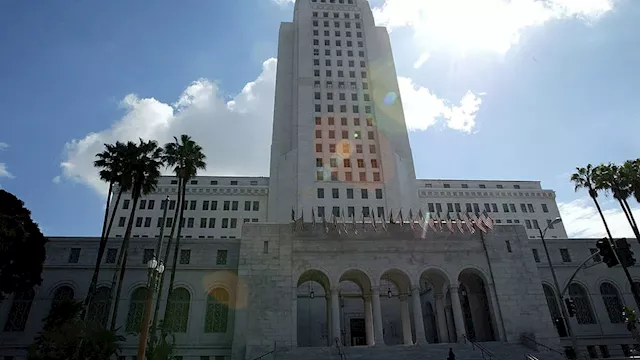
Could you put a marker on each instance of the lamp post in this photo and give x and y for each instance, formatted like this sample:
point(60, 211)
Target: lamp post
point(155, 272)
point(558, 292)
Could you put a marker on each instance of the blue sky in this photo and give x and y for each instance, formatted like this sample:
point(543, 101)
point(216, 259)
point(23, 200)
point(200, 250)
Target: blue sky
point(520, 90)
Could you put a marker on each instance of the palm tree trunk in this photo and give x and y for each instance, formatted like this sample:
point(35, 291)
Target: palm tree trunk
point(122, 260)
point(103, 245)
point(632, 219)
point(177, 249)
point(634, 289)
point(156, 311)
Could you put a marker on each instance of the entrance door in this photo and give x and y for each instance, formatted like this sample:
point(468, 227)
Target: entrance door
point(358, 332)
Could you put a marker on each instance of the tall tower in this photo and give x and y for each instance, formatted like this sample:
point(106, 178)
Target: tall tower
point(340, 142)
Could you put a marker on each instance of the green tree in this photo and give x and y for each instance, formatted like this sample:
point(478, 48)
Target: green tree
point(111, 162)
point(632, 168)
point(617, 180)
point(583, 178)
point(64, 331)
point(22, 247)
point(186, 158)
point(142, 166)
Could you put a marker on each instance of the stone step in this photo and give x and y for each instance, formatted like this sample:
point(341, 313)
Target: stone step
point(500, 351)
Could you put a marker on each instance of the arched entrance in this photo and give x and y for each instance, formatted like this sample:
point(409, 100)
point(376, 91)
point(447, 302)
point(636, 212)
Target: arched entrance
point(436, 309)
point(554, 310)
point(474, 300)
point(356, 317)
point(313, 304)
point(395, 288)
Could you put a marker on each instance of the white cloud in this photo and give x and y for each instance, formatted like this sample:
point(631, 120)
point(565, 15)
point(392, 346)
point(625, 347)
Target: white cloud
point(3, 167)
point(235, 135)
point(56, 179)
point(422, 108)
point(581, 219)
point(421, 60)
point(494, 26)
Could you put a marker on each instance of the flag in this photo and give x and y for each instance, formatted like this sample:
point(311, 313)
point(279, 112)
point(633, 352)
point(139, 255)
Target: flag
point(432, 223)
point(293, 215)
point(324, 223)
point(467, 222)
point(391, 217)
point(438, 221)
point(344, 222)
point(488, 221)
point(353, 220)
point(373, 221)
point(478, 223)
point(313, 218)
point(334, 220)
point(363, 219)
point(449, 223)
point(459, 223)
point(400, 217)
point(410, 218)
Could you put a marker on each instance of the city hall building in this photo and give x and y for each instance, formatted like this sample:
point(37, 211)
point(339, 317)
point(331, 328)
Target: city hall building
point(375, 261)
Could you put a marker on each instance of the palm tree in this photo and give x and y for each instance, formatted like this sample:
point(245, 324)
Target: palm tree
point(584, 179)
point(186, 157)
point(632, 172)
point(142, 167)
point(111, 162)
point(616, 179)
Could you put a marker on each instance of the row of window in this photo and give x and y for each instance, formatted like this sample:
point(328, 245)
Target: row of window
point(336, 15)
point(343, 121)
point(341, 85)
point(493, 207)
point(337, 33)
point(336, 24)
point(322, 175)
point(148, 254)
point(215, 182)
point(357, 134)
point(365, 211)
point(343, 108)
point(333, 162)
point(177, 311)
point(335, 193)
point(192, 205)
point(342, 96)
point(186, 222)
point(350, 2)
point(566, 255)
point(466, 186)
point(348, 43)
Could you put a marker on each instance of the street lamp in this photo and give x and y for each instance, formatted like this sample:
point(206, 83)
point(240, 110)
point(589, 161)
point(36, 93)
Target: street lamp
point(558, 292)
point(155, 270)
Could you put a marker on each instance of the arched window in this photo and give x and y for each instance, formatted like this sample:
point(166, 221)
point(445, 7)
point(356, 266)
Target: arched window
point(217, 311)
point(178, 310)
point(551, 301)
point(100, 306)
point(136, 309)
point(584, 312)
point(63, 293)
point(612, 302)
point(19, 312)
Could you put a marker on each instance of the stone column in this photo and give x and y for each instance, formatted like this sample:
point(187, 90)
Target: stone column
point(406, 320)
point(441, 318)
point(368, 320)
point(294, 316)
point(458, 316)
point(418, 321)
point(335, 314)
point(378, 335)
point(329, 326)
point(495, 311)
point(451, 330)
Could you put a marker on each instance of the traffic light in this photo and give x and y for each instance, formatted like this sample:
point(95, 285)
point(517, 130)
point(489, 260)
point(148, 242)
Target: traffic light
point(571, 306)
point(608, 257)
point(624, 252)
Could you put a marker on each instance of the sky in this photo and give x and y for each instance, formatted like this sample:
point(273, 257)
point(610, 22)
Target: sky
point(492, 89)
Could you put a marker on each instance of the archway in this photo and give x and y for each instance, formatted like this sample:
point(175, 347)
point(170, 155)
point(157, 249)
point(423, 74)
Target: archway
point(396, 314)
point(436, 309)
point(477, 314)
point(554, 310)
point(313, 304)
point(356, 318)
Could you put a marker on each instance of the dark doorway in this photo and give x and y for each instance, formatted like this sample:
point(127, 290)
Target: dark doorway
point(358, 332)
